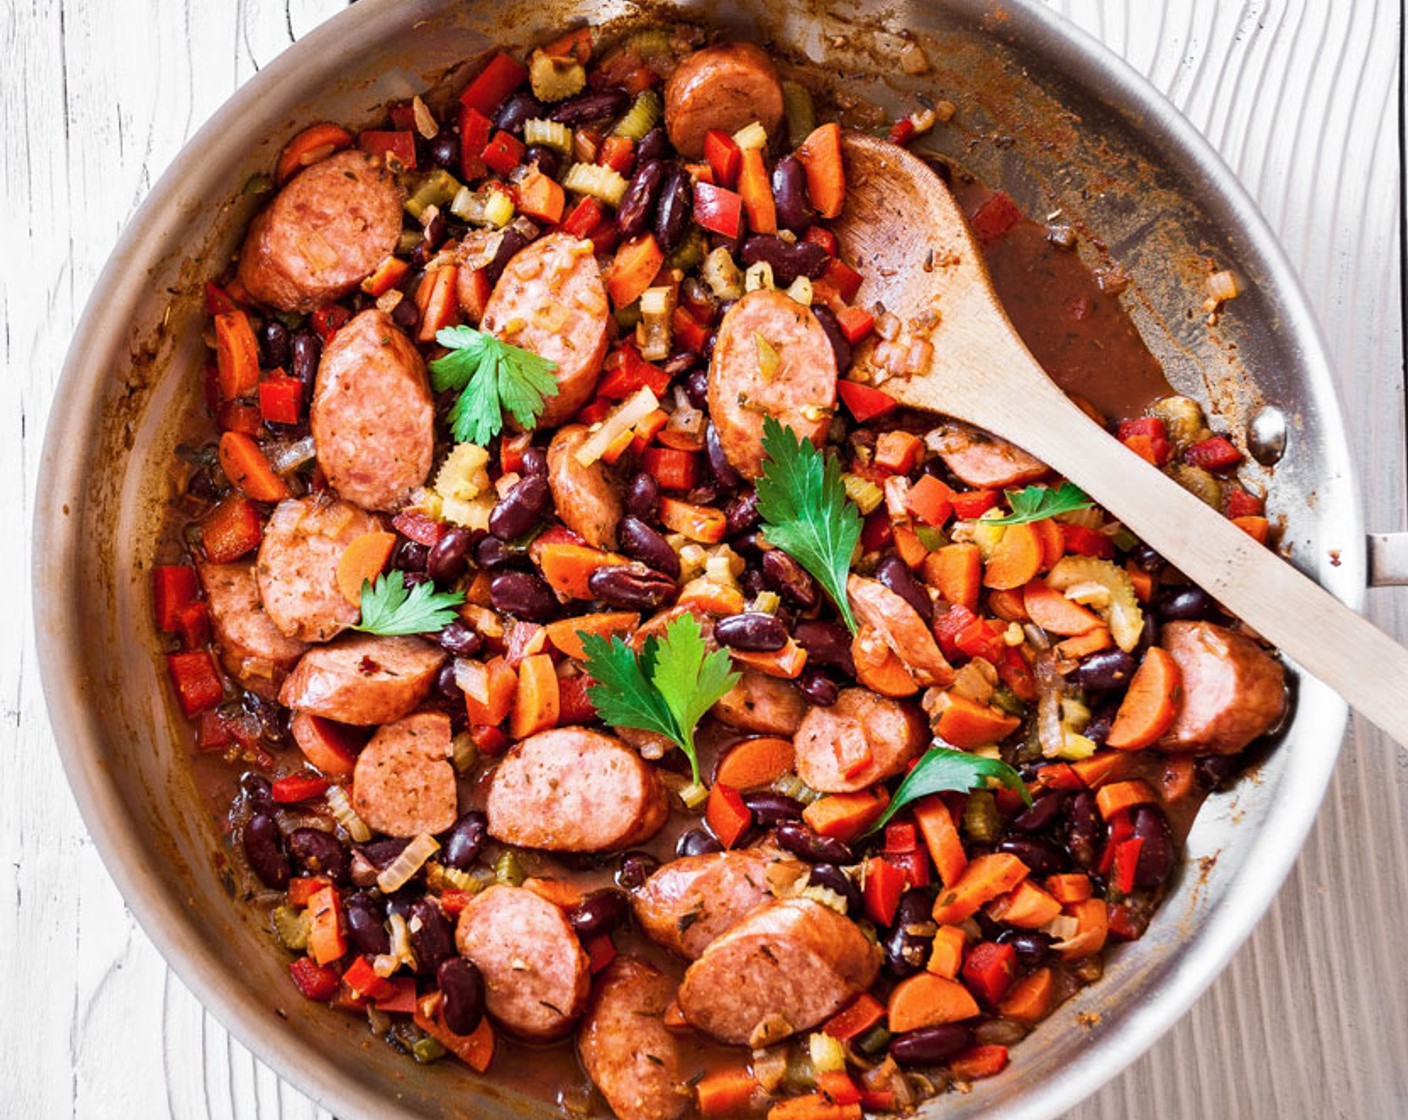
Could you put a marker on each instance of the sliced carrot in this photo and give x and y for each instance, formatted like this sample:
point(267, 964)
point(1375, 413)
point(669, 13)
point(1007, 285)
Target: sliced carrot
point(536, 701)
point(566, 634)
point(878, 667)
point(633, 269)
point(1150, 704)
point(437, 298)
point(1083, 645)
point(236, 355)
point(244, 464)
point(1071, 886)
point(317, 141)
point(390, 272)
point(820, 154)
point(957, 571)
point(1054, 613)
point(674, 1017)
point(568, 567)
point(1102, 767)
point(941, 838)
point(966, 723)
point(1016, 559)
point(1143, 582)
point(1258, 528)
point(786, 663)
point(979, 1061)
point(502, 683)
point(541, 197)
point(927, 1000)
point(1053, 541)
point(855, 1018)
point(1092, 927)
point(1026, 905)
point(1029, 1001)
point(898, 451)
point(907, 543)
point(726, 1091)
point(756, 189)
point(1007, 605)
point(326, 941)
point(699, 523)
point(711, 597)
point(946, 957)
point(331, 747)
point(559, 892)
point(475, 1050)
point(837, 1087)
point(814, 1106)
point(754, 763)
point(1178, 778)
point(846, 815)
point(361, 562)
point(984, 879)
point(1119, 796)
point(728, 817)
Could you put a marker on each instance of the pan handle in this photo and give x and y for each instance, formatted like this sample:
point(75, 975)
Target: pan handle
point(1388, 559)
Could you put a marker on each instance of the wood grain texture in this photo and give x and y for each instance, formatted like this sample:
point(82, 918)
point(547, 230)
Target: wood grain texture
point(1301, 98)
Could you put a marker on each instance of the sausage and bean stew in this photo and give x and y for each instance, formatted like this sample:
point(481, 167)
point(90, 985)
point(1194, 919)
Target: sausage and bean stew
point(604, 682)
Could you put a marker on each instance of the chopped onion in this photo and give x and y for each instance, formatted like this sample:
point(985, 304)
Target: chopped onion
point(404, 866)
point(285, 457)
point(341, 807)
point(887, 326)
point(1050, 689)
point(1223, 286)
point(424, 118)
point(913, 60)
point(627, 415)
point(828, 1054)
point(473, 679)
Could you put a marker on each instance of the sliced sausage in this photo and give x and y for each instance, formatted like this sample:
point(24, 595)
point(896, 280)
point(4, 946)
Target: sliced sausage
point(783, 969)
point(724, 87)
point(297, 568)
point(372, 416)
point(762, 704)
point(363, 679)
point(253, 650)
point(323, 234)
point(588, 499)
point(799, 393)
point(626, 1049)
point(536, 975)
point(981, 460)
point(900, 626)
point(1233, 690)
point(551, 300)
point(691, 901)
point(575, 790)
point(403, 783)
point(833, 743)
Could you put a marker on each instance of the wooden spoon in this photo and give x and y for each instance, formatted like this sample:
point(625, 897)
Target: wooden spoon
point(903, 230)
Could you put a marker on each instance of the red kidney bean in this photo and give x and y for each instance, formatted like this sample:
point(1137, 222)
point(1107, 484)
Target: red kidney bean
point(411, 556)
point(771, 808)
point(840, 344)
point(366, 924)
point(1213, 770)
point(510, 243)
point(818, 688)
point(524, 595)
point(826, 643)
point(431, 936)
point(304, 351)
point(461, 639)
point(797, 838)
point(673, 212)
point(521, 508)
point(1104, 671)
point(635, 868)
point(319, 853)
point(449, 556)
point(273, 344)
point(599, 912)
point(638, 204)
point(264, 850)
point(492, 554)
point(640, 542)
point(741, 514)
point(593, 106)
point(406, 315)
point(931, 1046)
point(1156, 854)
point(831, 877)
point(789, 192)
point(461, 995)
point(446, 687)
point(516, 111)
point(631, 587)
point(751, 631)
point(1083, 832)
point(654, 145)
point(696, 842)
point(719, 465)
point(696, 388)
point(1044, 810)
point(435, 231)
point(256, 793)
point(1147, 558)
point(907, 952)
point(1103, 718)
point(1033, 948)
point(802, 258)
point(444, 150)
point(549, 160)
point(1041, 857)
point(1185, 604)
point(535, 462)
point(679, 364)
point(643, 496)
point(894, 573)
point(463, 843)
point(789, 579)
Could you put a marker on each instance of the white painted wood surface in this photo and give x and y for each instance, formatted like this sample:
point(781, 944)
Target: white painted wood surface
point(1302, 99)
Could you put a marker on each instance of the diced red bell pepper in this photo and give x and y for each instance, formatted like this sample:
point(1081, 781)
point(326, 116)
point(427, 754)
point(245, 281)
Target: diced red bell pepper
point(618, 153)
point(1088, 542)
point(727, 816)
point(884, 883)
point(212, 731)
point(820, 235)
point(419, 528)
point(931, 500)
point(1121, 828)
point(402, 115)
point(573, 704)
point(902, 132)
point(856, 323)
point(989, 970)
point(361, 977)
point(240, 416)
point(586, 217)
point(489, 738)
point(401, 996)
point(197, 681)
point(979, 1061)
point(475, 129)
point(913, 865)
point(994, 218)
point(594, 410)
point(501, 76)
point(601, 951)
point(218, 301)
point(1016, 674)
point(846, 279)
point(627, 372)
point(901, 836)
point(865, 402)
point(316, 982)
point(230, 530)
point(280, 399)
point(398, 144)
point(1126, 924)
point(173, 589)
point(672, 468)
point(1215, 454)
point(194, 625)
point(1239, 503)
point(1125, 861)
point(1147, 437)
point(724, 157)
point(293, 788)
point(717, 209)
point(971, 504)
point(690, 333)
point(503, 153)
point(877, 532)
point(838, 1088)
point(329, 319)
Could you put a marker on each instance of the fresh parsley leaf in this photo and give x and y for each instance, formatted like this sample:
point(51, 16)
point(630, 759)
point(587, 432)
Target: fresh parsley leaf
point(388, 608)
point(943, 768)
point(493, 378)
point(805, 510)
point(667, 689)
point(1037, 503)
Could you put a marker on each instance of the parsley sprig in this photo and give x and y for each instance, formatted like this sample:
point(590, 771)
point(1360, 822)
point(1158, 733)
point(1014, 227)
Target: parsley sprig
point(806, 512)
point(943, 768)
point(390, 609)
point(666, 689)
point(1037, 503)
point(494, 378)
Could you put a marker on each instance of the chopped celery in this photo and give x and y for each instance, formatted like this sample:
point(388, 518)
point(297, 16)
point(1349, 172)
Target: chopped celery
point(873, 1041)
point(980, 819)
point(554, 79)
point(801, 115)
point(291, 927)
point(426, 1050)
point(435, 188)
point(642, 116)
point(508, 868)
point(596, 181)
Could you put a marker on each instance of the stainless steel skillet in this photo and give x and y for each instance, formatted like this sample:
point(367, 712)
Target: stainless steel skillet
point(1041, 114)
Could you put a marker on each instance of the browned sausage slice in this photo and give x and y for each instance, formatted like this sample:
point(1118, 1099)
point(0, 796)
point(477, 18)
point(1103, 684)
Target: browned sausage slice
point(626, 1049)
point(363, 679)
point(574, 790)
point(551, 300)
point(833, 743)
point(982, 460)
point(403, 783)
point(323, 234)
point(372, 416)
point(724, 87)
point(297, 569)
point(691, 901)
point(536, 975)
point(588, 499)
point(1233, 690)
point(784, 968)
point(904, 631)
point(771, 358)
point(762, 704)
point(253, 650)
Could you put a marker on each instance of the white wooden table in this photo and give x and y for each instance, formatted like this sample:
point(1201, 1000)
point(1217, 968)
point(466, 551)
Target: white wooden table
point(1302, 99)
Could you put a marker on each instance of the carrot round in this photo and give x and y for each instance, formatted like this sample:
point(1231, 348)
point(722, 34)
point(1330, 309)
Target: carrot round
point(537, 701)
point(1025, 905)
point(754, 763)
point(244, 465)
point(1150, 704)
point(317, 141)
point(957, 571)
point(1016, 559)
point(1054, 613)
point(1053, 541)
point(236, 355)
point(941, 838)
point(725, 1091)
point(634, 267)
point(566, 633)
point(1119, 796)
point(1030, 999)
point(361, 562)
point(567, 567)
point(846, 815)
point(966, 723)
point(926, 1000)
point(878, 667)
point(820, 154)
point(982, 881)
